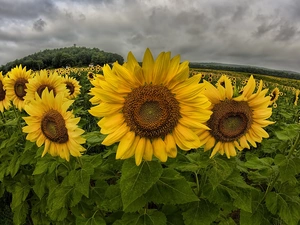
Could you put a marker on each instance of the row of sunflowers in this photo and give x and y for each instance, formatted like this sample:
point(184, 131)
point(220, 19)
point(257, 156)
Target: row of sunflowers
point(167, 121)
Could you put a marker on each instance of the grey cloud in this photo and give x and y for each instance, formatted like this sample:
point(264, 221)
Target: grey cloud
point(39, 25)
point(25, 10)
point(286, 32)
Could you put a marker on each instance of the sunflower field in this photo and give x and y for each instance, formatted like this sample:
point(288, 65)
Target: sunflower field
point(152, 143)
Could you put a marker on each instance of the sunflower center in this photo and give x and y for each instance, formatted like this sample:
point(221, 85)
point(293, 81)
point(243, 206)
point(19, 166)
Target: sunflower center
point(151, 111)
point(42, 87)
point(20, 88)
point(70, 87)
point(53, 127)
point(2, 91)
point(230, 120)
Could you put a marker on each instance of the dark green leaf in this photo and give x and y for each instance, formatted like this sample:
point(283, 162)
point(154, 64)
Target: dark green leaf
point(20, 213)
point(152, 217)
point(219, 171)
point(97, 220)
point(137, 180)
point(171, 188)
point(200, 213)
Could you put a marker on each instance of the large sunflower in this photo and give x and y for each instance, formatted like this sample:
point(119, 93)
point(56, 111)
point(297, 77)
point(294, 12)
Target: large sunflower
point(43, 80)
point(4, 100)
point(51, 124)
point(151, 109)
point(236, 121)
point(15, 85)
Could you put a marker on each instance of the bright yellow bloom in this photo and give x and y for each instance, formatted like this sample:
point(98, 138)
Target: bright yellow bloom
point(16, 85)
point(238, 121)
point(4, 100)
point(51, 124)
point(43, 80)
point(150, 109)
point(73, 86)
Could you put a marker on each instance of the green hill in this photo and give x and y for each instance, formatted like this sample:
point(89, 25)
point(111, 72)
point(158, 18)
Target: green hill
point(62, 57)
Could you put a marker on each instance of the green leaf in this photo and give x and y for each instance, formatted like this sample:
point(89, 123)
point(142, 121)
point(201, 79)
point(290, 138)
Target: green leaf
point(192, 162)
point(94, 138)
point(137, 180)
point(171, 188)
point(220, 170)
point(152, 217)
point(112, 199)
point(272, 202)
point(200, 213)
point(97, 220)
point(20, 213)
point(253, 162)
point(14, 164)
point(19, 194)
point(288, 168)
point(39, 186)
point(44, 164)
point(286, 206)
point(255, 218)
point(288, 132)
point(82, 182)
point(58, 214)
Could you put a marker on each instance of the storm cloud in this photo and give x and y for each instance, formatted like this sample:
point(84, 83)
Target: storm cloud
point(259, 32)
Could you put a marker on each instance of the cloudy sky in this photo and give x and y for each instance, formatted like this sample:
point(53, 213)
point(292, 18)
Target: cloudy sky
point(257, 32)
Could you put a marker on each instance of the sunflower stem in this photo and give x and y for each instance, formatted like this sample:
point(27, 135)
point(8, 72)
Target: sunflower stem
point(197, 182)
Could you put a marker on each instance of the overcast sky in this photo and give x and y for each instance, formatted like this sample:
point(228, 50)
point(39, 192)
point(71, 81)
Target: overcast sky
point(257, 32)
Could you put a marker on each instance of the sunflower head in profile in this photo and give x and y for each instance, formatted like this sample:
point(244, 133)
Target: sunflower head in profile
point(50, 123)
point(150, 109)
point(236, 121)
point(274, 95)
point(15, 85)
point(4, 101)
point(72, 86)
point(41, 81)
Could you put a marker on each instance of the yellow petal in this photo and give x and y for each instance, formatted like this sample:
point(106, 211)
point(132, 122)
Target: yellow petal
point(148, 64)
point(159, 149)
point(125, 143)
point(139, 151)
point(170, 146)
point(116, 136)
point(148, 150)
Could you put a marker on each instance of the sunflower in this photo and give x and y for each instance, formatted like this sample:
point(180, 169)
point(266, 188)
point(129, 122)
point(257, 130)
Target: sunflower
point(4, 101)
point(274, 95)
point(236, 121)
point(15, 85)
point(150, 109)
point(90, 76)
point(51, 124)
point(43, 80)
point(72, 86)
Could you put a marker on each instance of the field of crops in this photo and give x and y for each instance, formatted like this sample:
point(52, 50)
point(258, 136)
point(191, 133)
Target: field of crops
point(155, 144)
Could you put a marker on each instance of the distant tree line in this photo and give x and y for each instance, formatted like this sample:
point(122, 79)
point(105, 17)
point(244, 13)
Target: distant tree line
point(246, 69)
point(63, 57)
